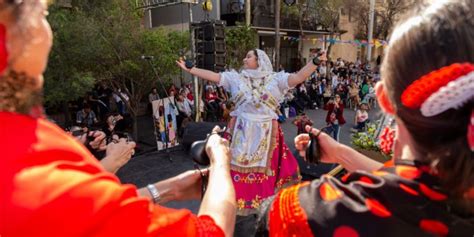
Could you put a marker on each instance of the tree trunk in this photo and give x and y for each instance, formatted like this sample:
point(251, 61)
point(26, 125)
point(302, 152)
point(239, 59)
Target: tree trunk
point(331, 35)
point(134, 111)
point(247, 13)
point(277, 35)
point(67, 115)
point(135, 128)
point(300, 44)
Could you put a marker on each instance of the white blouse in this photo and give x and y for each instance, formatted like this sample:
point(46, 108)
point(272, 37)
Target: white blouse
point(276, 84)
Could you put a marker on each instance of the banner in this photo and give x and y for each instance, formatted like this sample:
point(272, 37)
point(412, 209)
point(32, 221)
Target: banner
point(164, 114)
point(375, 42)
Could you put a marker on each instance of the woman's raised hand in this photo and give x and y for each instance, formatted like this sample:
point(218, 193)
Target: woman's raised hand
point(182, 64)
point(329, 147)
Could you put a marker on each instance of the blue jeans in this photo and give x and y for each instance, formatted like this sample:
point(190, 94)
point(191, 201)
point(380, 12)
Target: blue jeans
point(361, 125)
point(333, 130)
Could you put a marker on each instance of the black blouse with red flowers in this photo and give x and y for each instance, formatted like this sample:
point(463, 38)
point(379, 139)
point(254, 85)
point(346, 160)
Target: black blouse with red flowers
point(403, 200)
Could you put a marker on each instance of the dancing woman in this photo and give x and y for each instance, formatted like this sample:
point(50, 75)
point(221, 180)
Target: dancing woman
point(261, 161)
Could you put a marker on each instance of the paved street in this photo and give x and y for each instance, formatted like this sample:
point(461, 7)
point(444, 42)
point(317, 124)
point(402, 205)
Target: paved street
point(153, 166)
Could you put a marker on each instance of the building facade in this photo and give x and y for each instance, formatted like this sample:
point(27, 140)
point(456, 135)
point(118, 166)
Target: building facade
point(176, 16)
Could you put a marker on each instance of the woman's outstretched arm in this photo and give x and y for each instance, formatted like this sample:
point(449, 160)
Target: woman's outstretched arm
point(299, 77)
point(201, 73)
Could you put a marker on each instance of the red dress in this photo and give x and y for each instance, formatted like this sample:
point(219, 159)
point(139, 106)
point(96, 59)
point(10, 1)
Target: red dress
point(52, 186)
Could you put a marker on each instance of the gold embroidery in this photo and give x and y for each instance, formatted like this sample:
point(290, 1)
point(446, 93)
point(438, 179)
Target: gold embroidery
point(246, 159)
point(251, 180)
point(256, 202)
point(240, 203)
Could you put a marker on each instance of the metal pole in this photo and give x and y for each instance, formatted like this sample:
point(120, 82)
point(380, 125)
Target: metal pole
point(247, 12)
point(195, 79)
point(277, 35)
point(371, 30)
point(150, 22)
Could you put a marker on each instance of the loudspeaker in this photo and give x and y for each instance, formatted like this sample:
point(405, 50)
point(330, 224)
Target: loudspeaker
point(217, 46)
point(197, 131)
point(210, 59)
point(210, 45)
point(210, 31)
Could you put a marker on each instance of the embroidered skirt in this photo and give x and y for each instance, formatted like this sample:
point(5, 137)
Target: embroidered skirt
point(254, 186)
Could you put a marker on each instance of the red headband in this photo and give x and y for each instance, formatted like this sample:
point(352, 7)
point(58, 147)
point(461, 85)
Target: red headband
point(445, 88)
point(419, 91)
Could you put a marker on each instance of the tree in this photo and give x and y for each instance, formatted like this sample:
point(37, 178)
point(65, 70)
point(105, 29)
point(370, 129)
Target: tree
point(239, 40)
point(322, 12)
point(64, 78)
point(277, 34)
point(385, 17)
point(306, 17)
point(328, 16)
point(110, 41)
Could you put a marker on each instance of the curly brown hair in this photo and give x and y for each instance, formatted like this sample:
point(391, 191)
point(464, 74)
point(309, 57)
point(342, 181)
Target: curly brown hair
point(19, 93)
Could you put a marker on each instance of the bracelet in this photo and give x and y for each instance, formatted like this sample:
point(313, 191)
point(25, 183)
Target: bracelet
point(155, 194)
point(316, 61)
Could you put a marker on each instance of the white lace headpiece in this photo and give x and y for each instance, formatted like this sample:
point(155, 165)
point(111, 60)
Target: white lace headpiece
point(264, 69)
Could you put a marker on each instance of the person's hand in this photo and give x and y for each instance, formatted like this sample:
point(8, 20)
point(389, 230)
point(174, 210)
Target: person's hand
point(217, 148)
point(328, 146)
point(323, 56)
point(182, 65)
point(99, 142)
point(118, 153)
point(187, 185)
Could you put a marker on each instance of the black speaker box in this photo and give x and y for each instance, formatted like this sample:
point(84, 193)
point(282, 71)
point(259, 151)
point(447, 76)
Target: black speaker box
point(217, 46)
point(210, 31)
point(210, 59)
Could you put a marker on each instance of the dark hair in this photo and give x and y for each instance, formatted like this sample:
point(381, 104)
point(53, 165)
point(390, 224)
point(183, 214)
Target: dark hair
point(434, 36)
point(255, 52)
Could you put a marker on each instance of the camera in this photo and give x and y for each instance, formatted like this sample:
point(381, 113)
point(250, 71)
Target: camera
point(77, 131)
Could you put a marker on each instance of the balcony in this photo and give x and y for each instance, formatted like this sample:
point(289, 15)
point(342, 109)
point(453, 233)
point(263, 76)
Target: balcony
point(263, 16)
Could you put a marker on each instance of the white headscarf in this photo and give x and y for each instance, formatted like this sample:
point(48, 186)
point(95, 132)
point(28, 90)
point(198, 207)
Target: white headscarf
point(264, 69)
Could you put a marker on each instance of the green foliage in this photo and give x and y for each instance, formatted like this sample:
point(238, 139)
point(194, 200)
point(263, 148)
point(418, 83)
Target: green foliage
point(328, 13)
point(65, 78)
point(239, 40)
point(102, 41)
point(366, 140)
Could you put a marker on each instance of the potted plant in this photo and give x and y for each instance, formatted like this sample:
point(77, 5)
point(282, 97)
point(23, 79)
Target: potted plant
point(368, 143)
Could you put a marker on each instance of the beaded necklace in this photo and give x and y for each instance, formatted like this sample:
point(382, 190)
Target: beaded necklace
point(256, 89)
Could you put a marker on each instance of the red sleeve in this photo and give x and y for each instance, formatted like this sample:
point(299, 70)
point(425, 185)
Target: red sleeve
point(83, 203)
point(286, 217)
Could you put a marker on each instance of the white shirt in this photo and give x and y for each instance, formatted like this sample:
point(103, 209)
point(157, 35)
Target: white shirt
point(334, 81)
point(322, 70)
point(232, 81)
